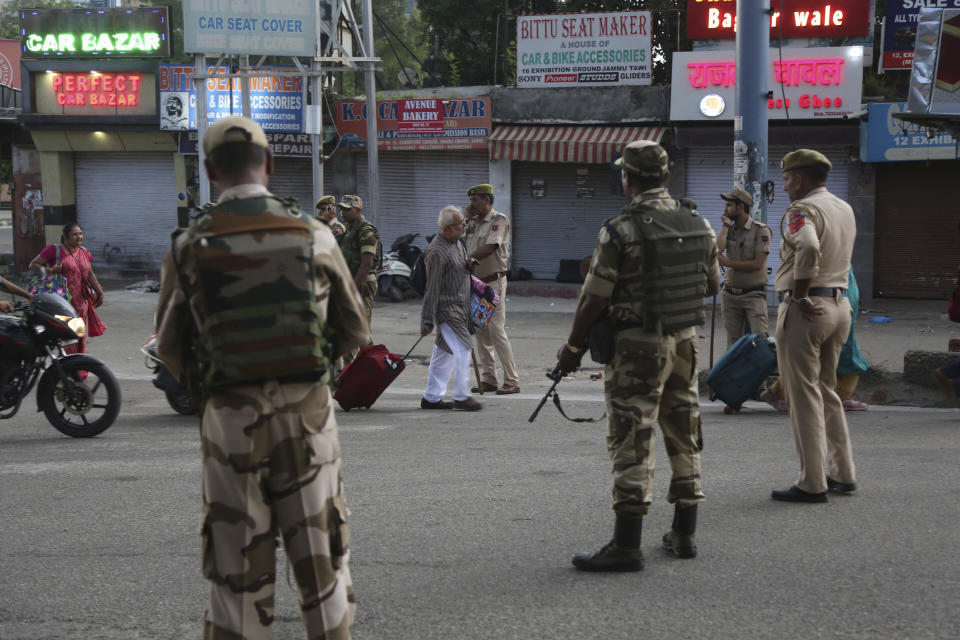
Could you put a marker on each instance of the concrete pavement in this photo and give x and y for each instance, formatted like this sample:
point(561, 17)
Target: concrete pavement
point(463, 524)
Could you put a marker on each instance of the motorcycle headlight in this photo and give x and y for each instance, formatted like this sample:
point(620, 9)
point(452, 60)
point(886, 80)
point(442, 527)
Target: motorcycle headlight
point(76, 325)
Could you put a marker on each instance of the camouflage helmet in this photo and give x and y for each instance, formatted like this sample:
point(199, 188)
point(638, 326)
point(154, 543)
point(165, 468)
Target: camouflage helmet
point(645, 159)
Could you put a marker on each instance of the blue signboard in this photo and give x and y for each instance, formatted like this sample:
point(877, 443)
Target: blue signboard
point(886, 139)
point(900, 29)
point(276, 102)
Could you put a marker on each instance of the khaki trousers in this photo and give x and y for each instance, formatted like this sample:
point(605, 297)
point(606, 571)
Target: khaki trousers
point(748, 309)
point(807, 354)
point(494, 339)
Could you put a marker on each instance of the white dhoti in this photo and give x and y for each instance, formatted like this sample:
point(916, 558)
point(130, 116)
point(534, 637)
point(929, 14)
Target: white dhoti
point(442, 364)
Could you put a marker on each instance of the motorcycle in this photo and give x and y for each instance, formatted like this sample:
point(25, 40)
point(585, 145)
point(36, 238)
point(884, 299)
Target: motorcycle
point(178, 397)
point(77, 393)
point(393, 276)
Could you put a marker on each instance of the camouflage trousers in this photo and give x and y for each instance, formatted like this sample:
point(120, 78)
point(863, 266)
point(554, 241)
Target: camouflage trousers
point(271, 464)
point(653, 380)
point(367, 293)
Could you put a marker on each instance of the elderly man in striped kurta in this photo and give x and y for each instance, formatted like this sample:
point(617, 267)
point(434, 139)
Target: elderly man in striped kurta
point(446, 307)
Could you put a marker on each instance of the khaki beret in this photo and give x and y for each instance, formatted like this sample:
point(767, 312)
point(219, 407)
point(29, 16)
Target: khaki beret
point(480, 190)
point(351, 202)
point(803, 159)
point(325, 200)
point(233, 129)
point(645, 158)
point(739, 195)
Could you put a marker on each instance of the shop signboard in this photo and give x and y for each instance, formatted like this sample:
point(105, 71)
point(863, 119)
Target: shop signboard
point(466, 126)
point(250, 27)
point(94, 93)
point(420, 115)
point(806, 84)
point(900, 30)
point(715, 19)
point(884, 138)
point(10, 63)
point(290, 145)
point(136, 32)
point(584, 49)
point(276, 101)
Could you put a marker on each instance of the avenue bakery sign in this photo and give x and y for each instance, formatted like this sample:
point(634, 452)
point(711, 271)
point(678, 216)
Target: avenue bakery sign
point(806, 84)
point(714, 19)
point(142, 32)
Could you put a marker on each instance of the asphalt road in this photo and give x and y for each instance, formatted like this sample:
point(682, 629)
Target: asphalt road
point(463, 524)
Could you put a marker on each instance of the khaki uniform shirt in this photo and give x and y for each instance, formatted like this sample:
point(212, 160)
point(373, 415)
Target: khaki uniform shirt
point(335, 226)
point(494, 228)
point(337, 298)
point(744, 244)
point(818, 235)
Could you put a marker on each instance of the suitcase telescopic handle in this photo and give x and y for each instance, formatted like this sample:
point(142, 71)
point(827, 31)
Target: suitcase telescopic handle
point(413, 347)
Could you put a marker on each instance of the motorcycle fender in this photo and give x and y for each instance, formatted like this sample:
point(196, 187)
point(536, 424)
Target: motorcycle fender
point(49, 377)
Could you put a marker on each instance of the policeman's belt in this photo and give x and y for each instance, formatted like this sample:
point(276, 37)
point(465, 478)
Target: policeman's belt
point(740, 292)
point(493, 276)
point(821, 292)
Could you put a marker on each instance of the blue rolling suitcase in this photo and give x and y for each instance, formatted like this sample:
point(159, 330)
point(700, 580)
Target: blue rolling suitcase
point(742, 369)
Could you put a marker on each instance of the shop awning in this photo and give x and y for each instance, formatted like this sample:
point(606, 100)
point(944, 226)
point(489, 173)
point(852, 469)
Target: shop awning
point(565, 144)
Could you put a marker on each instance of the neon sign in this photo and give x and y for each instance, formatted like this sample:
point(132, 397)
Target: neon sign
point(715, 19)
point(96, 89)
point(812, 71)
point(88, 33)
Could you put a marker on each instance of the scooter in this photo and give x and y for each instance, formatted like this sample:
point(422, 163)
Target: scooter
point(77, 393)
point(393, 276)
point(179, 398)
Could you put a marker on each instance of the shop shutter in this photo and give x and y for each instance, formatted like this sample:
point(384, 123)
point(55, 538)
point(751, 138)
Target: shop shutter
point(916, 229)
point(416, 185)
point(710, 173)
point(127, 206)
point(291, 178)
point(563, 224)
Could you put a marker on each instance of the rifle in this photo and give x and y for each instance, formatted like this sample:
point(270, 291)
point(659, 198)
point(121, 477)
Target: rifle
point(556, 377)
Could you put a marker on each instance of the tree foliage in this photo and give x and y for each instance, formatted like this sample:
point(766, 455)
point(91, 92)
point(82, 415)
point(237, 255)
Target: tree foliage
point(10, 13)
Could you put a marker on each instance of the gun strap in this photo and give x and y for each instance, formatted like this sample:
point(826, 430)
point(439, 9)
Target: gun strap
point(556, 403)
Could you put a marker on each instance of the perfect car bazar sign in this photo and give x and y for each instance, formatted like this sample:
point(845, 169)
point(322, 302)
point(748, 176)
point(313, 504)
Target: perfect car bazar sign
point(455, 124)
point(142, 32)
point(806, 84)
point(584, 49)
point(250, 27)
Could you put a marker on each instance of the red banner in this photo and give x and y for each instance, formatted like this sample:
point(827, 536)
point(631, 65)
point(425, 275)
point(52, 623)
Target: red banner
point(420, 115)
point(715, 19)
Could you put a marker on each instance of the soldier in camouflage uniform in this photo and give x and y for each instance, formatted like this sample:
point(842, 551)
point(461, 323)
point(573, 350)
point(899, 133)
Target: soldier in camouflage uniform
point(652, 267)
point(360, 245)
point(255, 302)
point(327, 213)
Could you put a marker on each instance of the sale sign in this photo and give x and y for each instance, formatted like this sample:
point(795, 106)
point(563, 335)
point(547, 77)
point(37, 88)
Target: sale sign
point(584, 49)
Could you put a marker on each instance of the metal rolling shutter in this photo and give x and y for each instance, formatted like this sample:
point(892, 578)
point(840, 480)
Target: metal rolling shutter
point(126, 204)
point(293, 178)
point(560, 225)
point(415, 185)
point(710, 173)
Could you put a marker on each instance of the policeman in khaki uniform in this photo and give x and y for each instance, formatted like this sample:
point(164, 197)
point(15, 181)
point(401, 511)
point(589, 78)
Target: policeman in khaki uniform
point(487, 236)
point(327, 213)
point(255, 302)
point(360, 244)
point(813, 321)
point(746, 245)
point(653, 264)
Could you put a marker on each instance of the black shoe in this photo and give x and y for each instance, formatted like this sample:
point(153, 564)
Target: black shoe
point(467, 405)
point(609, 558)
point(680, 545)
point(796, 494)
point(840, 487)
point(440, 404)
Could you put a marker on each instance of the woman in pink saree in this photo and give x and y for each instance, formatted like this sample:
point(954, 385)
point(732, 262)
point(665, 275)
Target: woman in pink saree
point(76, 266)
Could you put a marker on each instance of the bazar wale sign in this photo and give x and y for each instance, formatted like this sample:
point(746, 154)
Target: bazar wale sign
point(584, 49)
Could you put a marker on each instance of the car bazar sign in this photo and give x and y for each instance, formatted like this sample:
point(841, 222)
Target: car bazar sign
point(806, 84)
point(584, 49)
point(94, 93)
point(466, 124)
point(713, 19)
point(90, 33)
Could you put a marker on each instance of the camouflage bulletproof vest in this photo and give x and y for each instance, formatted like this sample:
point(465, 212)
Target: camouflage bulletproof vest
point(350, 247)
point(663, 267)
point(247, 269)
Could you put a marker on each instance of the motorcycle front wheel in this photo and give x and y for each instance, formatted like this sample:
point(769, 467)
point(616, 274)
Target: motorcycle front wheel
point(88, 407)
point(181, 402)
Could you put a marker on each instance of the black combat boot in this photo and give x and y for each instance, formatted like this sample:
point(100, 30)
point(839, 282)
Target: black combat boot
point(620, 554)
point(680, 540)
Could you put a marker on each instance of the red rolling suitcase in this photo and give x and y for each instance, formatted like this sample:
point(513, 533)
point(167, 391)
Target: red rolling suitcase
point(368, 375)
